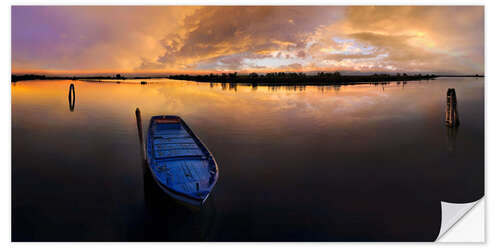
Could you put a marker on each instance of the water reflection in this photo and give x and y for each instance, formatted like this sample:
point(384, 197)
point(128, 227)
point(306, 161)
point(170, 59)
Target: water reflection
point(168, 220)
point(288, 88)
point(255, 87)
point(276, 88)
point(233, 86)
point(451, 134)
point(326, 163)
point(294, 88)
point(71, 97)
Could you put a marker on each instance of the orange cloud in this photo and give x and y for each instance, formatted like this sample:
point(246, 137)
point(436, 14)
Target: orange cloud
point(218, 38)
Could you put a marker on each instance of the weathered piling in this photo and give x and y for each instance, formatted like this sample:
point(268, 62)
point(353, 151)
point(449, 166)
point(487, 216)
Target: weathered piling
point(139, 131)
point(451, 118)
point(451, 133)
point(71, 97)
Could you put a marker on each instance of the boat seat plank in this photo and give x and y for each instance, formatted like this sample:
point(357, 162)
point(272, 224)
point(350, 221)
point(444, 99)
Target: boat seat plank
point(164, 126)
point(170, 146)
point(171, 132)
point(173, 140)
point(171, 136)
point(177, 153)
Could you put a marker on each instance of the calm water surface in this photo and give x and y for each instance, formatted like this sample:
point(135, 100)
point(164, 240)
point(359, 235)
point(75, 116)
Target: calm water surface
point(348, 163)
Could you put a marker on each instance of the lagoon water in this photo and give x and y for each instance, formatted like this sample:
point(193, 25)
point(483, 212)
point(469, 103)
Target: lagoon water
point(305, 163)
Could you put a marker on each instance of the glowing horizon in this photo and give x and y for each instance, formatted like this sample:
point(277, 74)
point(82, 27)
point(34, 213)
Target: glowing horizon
point(195, 40)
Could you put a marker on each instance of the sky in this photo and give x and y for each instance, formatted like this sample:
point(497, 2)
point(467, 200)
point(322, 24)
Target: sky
point(204, 39)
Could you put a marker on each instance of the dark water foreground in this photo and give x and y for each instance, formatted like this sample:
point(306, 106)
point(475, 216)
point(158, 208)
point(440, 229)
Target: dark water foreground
point(314, 163)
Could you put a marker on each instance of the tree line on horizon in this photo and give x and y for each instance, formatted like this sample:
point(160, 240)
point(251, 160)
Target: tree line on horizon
point(285, 78)
point(26, 77)
point(282, 78)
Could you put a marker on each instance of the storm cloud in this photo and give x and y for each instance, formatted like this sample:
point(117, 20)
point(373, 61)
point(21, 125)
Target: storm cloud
point(174, 39)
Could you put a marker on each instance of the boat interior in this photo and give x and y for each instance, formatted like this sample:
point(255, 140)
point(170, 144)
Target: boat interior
point(180, 163)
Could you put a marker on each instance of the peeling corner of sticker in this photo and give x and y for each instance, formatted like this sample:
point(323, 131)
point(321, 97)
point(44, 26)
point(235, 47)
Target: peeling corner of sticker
point(451, 213)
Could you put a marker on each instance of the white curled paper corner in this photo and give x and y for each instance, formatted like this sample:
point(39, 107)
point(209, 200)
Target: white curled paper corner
point(451, 213)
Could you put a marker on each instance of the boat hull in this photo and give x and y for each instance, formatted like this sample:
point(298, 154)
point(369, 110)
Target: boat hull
point(181, 198)
point(181, 165)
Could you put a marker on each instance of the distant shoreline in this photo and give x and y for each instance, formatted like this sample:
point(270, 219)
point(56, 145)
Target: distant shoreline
point(269, 79)
point(303, 79)
point(16, 78)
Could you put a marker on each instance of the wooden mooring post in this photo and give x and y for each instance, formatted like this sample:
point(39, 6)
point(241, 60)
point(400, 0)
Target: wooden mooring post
point(139, 131)
point(71, 97)
point(451, 118)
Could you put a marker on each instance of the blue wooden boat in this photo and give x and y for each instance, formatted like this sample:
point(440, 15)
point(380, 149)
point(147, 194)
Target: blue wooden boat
point(180, 163)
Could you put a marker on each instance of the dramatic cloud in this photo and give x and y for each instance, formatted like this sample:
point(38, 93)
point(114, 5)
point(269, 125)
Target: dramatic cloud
point(222, 34)
point(218, 38)
point(427, 38)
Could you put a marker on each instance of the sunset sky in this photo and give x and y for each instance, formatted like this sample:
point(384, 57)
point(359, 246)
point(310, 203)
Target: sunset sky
point(94, 40)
